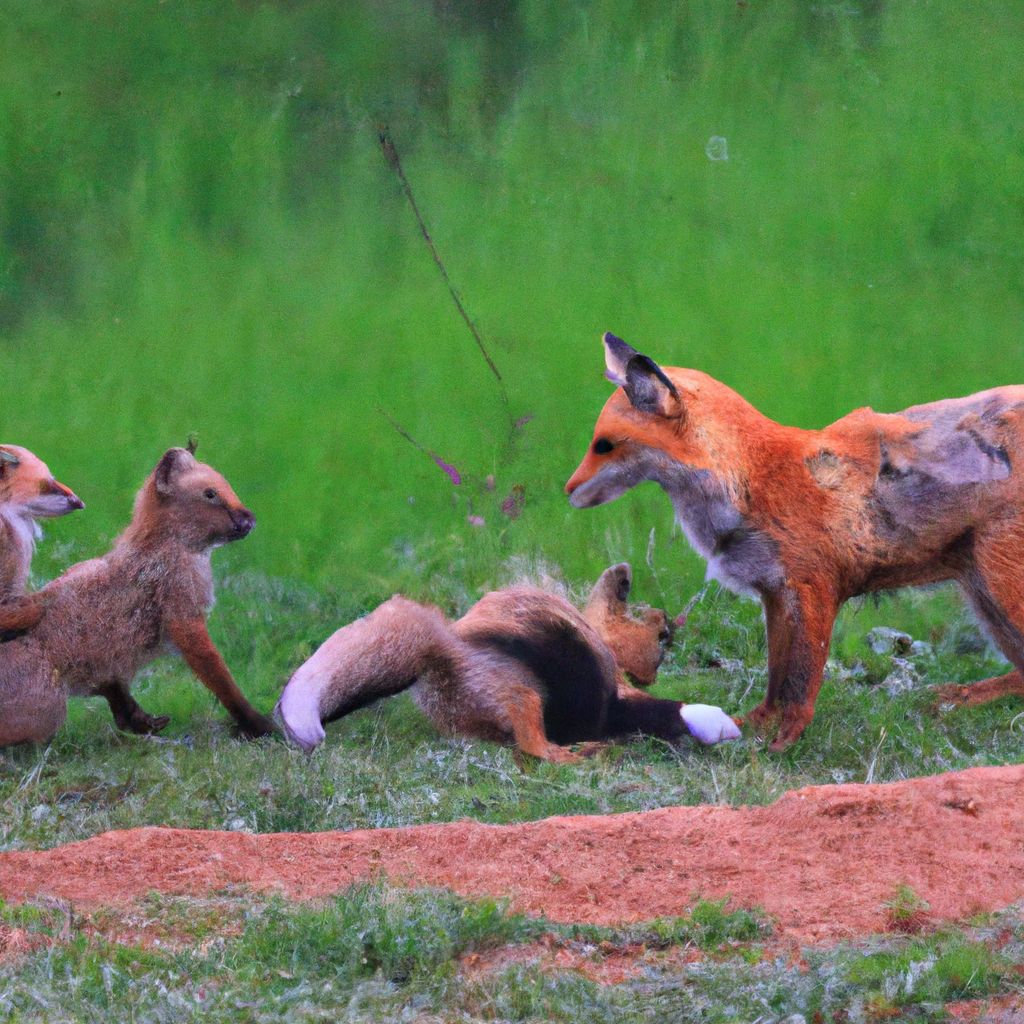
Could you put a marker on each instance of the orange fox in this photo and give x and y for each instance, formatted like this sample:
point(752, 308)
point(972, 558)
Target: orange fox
point(806, 519)
point(28, 493)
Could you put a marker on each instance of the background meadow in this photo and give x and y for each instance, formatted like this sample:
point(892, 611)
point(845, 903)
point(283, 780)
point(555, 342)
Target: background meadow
point(199, 232)
point(820, 204)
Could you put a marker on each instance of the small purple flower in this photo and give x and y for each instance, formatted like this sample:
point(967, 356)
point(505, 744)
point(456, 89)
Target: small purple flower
point(453, 473)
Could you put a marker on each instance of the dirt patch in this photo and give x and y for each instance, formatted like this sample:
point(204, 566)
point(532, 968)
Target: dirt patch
point(17, 942)
point(823, 861)
point(1002, 1010)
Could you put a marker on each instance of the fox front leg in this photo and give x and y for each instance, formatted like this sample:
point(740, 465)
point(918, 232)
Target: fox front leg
point(19, 615)
point(799, 621)
point(192, 639)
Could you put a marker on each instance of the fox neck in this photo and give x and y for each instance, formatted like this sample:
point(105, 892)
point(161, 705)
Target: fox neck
point(712, 503)
point(20, 533)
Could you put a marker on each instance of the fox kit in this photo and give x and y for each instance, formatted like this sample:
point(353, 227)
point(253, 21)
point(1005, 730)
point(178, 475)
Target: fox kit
point(108, 617)
point(28, 493)
point(806, 519)
point(522, 666)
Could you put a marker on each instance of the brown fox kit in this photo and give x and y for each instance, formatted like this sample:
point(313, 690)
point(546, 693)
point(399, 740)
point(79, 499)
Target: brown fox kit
point(108, 617)
point(28, 493)
point(806, 519)
point(522, 666)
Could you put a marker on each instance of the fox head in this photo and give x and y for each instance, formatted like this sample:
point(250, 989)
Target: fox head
point(28, 489)
point(639, 639)
point(645, 423)
point(189, 501)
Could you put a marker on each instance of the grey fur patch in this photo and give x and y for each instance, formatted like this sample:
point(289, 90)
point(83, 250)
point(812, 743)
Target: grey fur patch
point(739, 556)
point(959, 443)
point(924, 477)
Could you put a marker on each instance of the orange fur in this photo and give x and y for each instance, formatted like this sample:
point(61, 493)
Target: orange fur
point(806, 519)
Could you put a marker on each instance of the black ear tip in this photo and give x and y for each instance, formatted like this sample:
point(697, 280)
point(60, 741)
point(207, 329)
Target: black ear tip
point(611, 339)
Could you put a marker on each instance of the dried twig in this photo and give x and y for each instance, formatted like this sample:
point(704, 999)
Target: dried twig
point(391, 155)
point(453, 474)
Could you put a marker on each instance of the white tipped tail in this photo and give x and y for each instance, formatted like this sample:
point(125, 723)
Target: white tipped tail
point(708, 724)
point(299, 708)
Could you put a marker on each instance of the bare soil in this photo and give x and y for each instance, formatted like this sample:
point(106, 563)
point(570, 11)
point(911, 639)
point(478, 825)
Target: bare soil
point(822, 861)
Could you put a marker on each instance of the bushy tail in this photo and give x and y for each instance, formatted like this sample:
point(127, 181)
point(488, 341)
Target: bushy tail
point(377, 656)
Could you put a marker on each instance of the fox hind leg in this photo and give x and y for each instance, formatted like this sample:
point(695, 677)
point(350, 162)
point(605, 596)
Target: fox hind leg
point(995, 590)
point(31, 710)
point(526, 711)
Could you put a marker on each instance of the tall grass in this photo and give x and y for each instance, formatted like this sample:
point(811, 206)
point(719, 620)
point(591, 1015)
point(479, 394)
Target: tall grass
point(198, 232)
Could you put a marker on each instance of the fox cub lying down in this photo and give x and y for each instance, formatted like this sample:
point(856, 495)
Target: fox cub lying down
point(522, 666)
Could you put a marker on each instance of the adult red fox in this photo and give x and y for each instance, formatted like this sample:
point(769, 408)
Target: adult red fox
point(28, 493)
point(522, 666)
point(149, 595)
point(806, 519)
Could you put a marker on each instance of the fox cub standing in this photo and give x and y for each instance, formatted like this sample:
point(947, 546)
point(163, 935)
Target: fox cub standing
point(522, 666)
point(28, 493)
point(806, 519)
point(108, 617)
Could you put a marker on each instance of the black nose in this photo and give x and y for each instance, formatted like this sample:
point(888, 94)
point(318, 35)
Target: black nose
point(244, 521)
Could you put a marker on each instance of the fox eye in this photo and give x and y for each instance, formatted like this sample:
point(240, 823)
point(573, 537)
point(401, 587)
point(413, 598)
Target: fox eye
point(602, 446)
point(210, 494)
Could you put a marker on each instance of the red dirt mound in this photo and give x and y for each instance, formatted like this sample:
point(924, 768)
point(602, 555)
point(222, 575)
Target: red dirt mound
point(822, 860)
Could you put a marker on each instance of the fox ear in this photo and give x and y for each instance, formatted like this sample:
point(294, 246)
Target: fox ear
point(643, 380)
point(611, 591)
point(170, 466)
point(8, 461)
point(617, 355)
point(649, 389)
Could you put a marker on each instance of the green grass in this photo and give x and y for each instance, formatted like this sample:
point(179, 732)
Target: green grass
point(374, 953)
point(387, 765)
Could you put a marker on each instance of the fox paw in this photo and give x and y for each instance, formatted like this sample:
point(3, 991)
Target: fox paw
point(255, 725)
point(143, 724)
point(761, 718)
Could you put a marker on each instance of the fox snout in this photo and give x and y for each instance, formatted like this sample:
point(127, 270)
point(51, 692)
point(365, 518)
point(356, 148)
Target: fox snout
point(54, 499)
point(73, 501)
point(586, 491)
point(243, 521)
